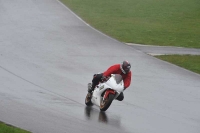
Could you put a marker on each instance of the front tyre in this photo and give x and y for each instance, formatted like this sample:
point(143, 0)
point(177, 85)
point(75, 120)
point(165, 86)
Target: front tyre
point(88, 100)
point(105, 104)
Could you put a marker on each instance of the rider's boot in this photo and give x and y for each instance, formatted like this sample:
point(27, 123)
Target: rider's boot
point(90, 88)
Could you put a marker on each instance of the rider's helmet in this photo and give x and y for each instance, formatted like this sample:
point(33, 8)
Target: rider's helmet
point(125, 67)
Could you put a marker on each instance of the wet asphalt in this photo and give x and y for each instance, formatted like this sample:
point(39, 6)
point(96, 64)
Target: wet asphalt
point(47, 57)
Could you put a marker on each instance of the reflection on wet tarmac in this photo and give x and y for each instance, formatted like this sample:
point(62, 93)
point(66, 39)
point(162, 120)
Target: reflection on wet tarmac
point(102, 117)
point(97, 115)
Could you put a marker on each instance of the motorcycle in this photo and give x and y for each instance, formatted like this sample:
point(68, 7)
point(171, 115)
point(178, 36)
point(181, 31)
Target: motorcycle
point(105, 92)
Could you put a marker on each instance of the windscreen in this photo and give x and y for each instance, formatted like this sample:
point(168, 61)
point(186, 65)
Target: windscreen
point(118, 78)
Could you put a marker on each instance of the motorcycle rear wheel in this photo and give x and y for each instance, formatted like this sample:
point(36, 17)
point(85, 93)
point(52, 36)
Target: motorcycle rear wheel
point(105, 104)
point(88, 100)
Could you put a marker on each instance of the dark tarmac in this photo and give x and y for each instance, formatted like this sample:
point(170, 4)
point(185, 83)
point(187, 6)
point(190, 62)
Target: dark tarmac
point(47, 57)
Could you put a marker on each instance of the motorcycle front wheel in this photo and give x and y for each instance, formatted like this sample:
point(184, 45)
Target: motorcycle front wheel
point(105, 104)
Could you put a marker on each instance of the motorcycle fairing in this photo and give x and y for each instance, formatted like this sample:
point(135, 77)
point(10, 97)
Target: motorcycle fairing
point(114, 83)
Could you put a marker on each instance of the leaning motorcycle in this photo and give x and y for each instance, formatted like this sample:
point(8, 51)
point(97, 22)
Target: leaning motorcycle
point(105, 92)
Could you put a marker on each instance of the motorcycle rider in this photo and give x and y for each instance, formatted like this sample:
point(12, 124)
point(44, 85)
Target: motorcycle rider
point(122, 69)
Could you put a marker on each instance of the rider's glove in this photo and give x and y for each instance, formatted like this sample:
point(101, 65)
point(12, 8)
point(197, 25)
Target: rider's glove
point(103, 78)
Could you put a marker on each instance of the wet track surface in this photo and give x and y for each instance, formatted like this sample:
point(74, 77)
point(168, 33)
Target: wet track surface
point(47, 57)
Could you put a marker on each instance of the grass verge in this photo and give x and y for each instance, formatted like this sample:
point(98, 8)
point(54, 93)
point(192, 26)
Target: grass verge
point(163, 22)
point(190, 62)
point(5, 128)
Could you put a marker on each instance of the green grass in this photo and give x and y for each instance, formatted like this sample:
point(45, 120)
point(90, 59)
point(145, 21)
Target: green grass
point(190, 62)
point(155, 22)
point(4, 128)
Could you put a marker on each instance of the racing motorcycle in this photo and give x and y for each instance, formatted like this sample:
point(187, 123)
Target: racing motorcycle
point(105, 92)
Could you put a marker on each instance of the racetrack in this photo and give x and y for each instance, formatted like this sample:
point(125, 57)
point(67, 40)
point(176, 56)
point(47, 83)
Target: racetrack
point(47, 57)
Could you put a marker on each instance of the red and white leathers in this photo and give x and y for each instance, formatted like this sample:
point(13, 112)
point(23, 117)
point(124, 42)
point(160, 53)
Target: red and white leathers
point(115, 69)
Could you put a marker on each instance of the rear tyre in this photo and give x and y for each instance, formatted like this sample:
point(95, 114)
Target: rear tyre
point(88, 100)
point(105, 104)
